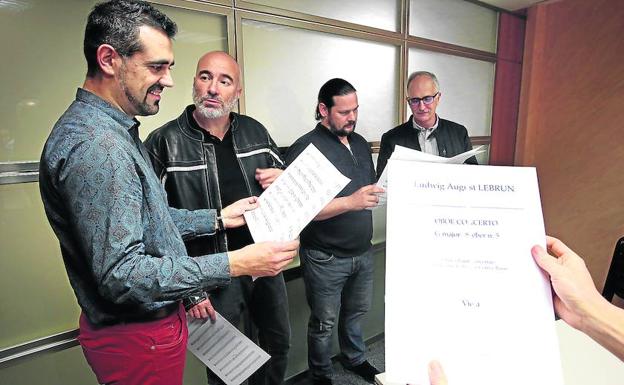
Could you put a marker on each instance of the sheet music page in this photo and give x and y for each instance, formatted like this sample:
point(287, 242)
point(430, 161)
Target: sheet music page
point(461, 284)
point(224, 349)
point(404, 153)
point(295, 197)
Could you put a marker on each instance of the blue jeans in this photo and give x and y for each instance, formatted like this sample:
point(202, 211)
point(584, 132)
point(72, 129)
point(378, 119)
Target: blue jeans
point(335, 285)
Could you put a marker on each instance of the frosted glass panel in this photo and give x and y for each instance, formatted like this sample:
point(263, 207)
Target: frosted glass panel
point(372, 13)
point(285, 67)
point(467, 87)
point(35, 294)
point(454, 21)
point(43, 64)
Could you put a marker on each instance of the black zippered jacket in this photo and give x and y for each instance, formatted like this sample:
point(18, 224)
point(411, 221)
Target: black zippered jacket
point(452, 139)
point(179, 153)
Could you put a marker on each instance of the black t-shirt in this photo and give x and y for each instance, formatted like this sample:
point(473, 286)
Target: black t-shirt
point(350, 233)
point(231, 183)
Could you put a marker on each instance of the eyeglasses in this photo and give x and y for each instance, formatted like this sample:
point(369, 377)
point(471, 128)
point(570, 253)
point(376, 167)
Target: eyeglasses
point(425, 99)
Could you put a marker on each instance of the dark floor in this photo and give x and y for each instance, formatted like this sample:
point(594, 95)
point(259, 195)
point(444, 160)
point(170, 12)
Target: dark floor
point(341, 376)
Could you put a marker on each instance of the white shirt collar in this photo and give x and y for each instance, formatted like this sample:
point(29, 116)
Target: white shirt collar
point(418, 127)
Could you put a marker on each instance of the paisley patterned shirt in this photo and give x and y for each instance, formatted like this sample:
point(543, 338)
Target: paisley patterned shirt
point(122, 245)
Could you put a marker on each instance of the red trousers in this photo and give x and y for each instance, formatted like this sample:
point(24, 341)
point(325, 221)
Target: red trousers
point(142, 353)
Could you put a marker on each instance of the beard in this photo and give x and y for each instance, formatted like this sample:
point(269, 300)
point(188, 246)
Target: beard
point(343, 131)
point(211, 112)
point(142, 107)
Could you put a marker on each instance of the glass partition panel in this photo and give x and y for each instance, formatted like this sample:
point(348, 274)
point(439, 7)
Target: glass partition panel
point(43, 64)
point(35, 294)
point(454, 21)
point(466, 85)
point(371, 13)
point(286, 66)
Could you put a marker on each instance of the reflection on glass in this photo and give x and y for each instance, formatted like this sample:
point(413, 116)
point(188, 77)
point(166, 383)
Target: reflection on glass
point(454, 21)
point(466, 87)
point(285, 67)
point(371, 13)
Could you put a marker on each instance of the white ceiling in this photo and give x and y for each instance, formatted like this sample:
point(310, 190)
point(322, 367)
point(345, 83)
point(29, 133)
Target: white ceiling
point(511, 5)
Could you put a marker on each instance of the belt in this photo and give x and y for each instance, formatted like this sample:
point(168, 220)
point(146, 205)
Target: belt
point(155, 315)
point(160, 313)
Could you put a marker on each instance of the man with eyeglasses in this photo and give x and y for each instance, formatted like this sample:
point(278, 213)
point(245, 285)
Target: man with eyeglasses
point(425, 131)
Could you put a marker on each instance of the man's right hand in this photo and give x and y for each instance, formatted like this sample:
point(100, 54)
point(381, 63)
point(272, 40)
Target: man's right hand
point(365, 197)
point(576, 295)
point(262, 259)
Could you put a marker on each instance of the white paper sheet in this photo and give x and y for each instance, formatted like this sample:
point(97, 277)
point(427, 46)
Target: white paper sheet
point(404, 153)
point(461, 285)
point(295, 197)
point(224, 349)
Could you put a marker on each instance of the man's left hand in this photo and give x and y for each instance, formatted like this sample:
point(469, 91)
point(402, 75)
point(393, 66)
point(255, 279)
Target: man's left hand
point(203, 309)
point(232, 216)
point(266, 176)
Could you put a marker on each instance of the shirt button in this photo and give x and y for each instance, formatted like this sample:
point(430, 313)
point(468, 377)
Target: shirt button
point(152, 347)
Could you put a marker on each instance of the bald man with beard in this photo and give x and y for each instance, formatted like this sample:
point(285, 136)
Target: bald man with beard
point(209, 157)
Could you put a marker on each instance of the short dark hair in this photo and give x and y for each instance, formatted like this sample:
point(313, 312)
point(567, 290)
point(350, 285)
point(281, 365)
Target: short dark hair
point(333, 87)
point(117, 23)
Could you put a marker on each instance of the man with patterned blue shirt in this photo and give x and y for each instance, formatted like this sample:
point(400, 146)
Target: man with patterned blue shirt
point(122, 245)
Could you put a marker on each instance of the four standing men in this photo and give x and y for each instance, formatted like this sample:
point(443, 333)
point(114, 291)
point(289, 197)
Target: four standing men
point(123, 246)
point(335, 252)
point(208, 158)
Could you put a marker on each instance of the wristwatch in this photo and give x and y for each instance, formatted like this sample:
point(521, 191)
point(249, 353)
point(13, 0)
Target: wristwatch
point(194, 299)
point(220, 225)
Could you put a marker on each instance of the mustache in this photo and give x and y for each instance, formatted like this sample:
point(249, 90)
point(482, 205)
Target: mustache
point(207, 97)
point(155, 87)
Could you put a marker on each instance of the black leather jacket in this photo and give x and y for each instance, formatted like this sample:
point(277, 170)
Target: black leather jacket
point(452, 140)
point(187, 166)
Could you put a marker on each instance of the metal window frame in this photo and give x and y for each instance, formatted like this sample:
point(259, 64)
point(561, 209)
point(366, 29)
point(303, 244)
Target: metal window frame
point(15, 354)
point(19, 172)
